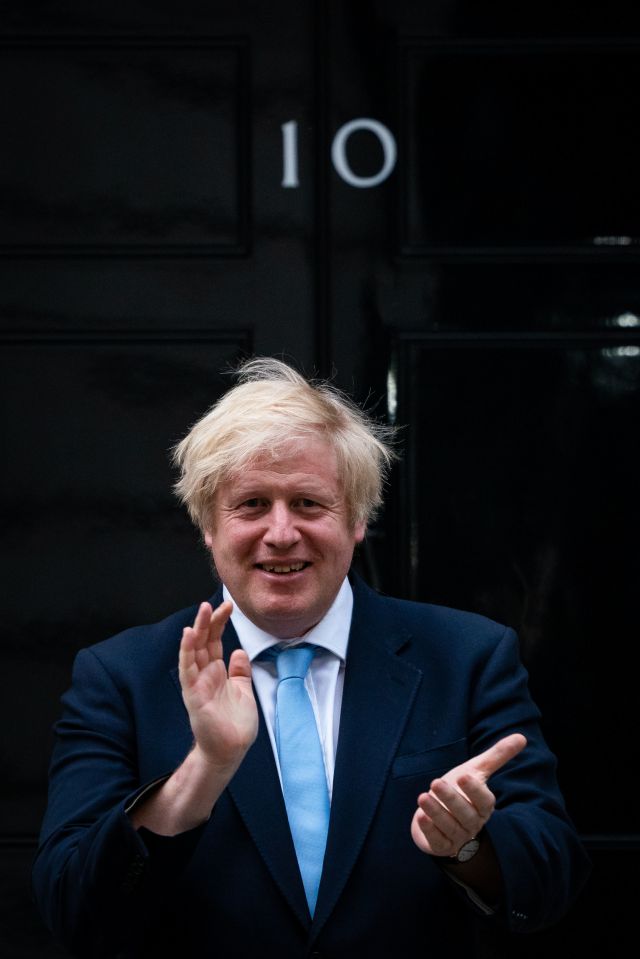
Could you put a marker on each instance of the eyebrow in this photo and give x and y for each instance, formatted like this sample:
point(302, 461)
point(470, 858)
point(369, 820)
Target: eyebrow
point(309, 490)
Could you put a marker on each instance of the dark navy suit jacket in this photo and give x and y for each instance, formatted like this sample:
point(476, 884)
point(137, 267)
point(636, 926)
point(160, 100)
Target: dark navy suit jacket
point(425, 688)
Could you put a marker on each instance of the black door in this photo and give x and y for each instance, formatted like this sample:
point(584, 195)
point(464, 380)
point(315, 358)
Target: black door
point(435, 202)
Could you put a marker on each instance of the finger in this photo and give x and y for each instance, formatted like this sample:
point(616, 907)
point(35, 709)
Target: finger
point(478, 794)
point(193, 646)
point(200, 635)
point(239, 665)
point(461, 807)
point(217, 621)
point(192, 635)
point(444, 820)
point(428, 837)
point(488, 762)
point(200, 626)
point(187, 665)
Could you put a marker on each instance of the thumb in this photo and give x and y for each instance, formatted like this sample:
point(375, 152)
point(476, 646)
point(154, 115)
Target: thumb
point(239, 664)
point(488, 762)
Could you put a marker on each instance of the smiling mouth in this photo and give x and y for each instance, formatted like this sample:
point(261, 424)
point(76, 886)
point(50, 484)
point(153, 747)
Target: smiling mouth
point(282, 569)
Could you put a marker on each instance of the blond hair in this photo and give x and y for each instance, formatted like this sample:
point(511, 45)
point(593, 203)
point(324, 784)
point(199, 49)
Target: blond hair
point(271, 407)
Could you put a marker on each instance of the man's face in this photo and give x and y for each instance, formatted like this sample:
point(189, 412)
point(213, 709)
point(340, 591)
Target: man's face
point(281, 539)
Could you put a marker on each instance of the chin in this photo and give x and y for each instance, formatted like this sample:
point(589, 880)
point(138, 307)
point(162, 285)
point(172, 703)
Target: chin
point(295, 622)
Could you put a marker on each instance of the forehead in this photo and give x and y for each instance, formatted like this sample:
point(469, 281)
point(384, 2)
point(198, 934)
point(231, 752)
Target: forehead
point(308, 460)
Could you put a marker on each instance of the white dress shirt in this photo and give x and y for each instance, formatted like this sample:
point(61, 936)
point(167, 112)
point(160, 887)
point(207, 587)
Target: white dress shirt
point(324, 681)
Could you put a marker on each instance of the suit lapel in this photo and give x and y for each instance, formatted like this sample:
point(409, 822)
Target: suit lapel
point(378, 694)
point(256, 792)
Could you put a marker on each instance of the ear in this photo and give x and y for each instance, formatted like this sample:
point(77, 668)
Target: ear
point(358, 532)
point(208, 538)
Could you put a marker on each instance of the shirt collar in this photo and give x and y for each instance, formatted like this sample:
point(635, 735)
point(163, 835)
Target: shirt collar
point(332, 632)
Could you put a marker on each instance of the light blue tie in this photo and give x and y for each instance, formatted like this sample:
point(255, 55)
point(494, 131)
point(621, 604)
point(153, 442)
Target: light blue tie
point(304, 781)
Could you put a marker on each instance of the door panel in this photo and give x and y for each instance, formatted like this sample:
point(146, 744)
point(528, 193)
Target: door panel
point(145, 247)
point(486, 294)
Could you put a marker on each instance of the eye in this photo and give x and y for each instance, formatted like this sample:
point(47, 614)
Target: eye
point(305, 503)
point(252, 504)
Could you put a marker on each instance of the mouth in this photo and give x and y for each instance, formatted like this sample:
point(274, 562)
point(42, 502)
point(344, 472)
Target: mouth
point(282, 569)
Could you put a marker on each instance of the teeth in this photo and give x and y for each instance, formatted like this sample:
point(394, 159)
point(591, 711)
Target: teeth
point(294, 568)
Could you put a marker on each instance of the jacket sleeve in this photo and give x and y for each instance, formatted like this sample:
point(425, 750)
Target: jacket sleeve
point(95, 878)
point(543, 862)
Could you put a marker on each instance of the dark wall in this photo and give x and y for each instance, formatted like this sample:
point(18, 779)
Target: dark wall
point(157, 223)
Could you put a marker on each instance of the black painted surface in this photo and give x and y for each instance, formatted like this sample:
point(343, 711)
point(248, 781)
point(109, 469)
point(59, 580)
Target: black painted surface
point(536, 140)
point(522, 477)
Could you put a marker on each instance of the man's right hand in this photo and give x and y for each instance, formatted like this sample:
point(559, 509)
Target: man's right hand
point(224, 721)
point(221, 706)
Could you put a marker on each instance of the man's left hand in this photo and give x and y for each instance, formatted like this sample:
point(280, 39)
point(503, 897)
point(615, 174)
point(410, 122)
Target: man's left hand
point(459, 803)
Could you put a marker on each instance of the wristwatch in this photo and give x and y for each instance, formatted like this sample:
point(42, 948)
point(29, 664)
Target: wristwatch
point(467, 850)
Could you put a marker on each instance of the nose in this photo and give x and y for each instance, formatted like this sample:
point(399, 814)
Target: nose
point(281, 532)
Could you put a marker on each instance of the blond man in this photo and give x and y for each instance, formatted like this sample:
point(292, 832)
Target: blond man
point(172, 819)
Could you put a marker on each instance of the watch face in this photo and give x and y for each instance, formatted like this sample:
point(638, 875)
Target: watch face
point(468, 850)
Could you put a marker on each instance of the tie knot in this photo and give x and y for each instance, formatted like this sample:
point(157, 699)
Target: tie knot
point(294, 661)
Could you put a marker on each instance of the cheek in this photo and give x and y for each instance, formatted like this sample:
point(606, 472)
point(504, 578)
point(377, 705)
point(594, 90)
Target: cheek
point(341, 547)
point(233, 543)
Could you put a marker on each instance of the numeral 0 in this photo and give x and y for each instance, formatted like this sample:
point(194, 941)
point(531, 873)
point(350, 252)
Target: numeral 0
point(290, 177)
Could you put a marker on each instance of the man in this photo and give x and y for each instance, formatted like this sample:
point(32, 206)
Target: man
point(190, 812)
